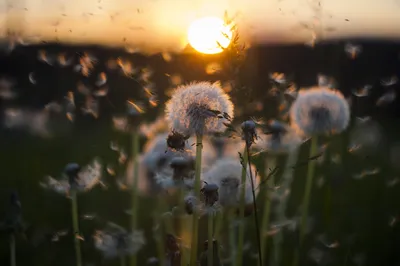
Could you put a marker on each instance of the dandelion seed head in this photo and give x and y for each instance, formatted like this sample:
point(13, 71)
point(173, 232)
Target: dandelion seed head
point(116, 242)
point(198, 108)
point(226, 174)
point(319, 110)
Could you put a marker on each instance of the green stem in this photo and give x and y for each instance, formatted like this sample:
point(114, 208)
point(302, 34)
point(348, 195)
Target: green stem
point(267, 208)
point(122, 261)
point(239, 254)
point(199, 148)
point(217, 230)
point(160, 239)
point(12, 250)
point(210, 250)
point(231, 221)
point(285, 185)
point(183, 226)
point(135, 202)
point(218, 224)
point(306, 199)
point(75, 224)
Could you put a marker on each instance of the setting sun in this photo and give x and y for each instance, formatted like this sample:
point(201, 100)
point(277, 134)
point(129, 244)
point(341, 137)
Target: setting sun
point(209, 35)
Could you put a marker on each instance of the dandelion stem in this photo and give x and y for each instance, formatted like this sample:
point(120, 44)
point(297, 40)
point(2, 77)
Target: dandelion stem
point(253, 192)
point(218, 224)
point(183, 226)
point(231, 221)
point(267, 208)
point(12, 250)
point(75, 224)
point(199, 148)
point(210, 240)
point(122, 260)
point(135, 202)
point(239, 252)
point(163, 228)
point(307, 192)
point(285, 183)
point(306, 199)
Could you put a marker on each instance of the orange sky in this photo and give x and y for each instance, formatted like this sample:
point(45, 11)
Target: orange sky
point(162, 24)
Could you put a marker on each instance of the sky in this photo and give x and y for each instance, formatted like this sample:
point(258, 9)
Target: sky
point(161, 25)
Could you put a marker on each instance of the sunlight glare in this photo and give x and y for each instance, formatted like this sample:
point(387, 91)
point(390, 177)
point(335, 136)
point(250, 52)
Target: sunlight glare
point(207, 35)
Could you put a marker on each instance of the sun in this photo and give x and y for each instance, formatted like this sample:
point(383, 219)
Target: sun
point(209, 35)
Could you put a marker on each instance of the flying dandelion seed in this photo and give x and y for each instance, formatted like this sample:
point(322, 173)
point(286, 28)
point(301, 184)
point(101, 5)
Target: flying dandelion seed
point(320, 111)
point(352, 50)
point(199, 108)
point(6, 89)
point(278, 77)
point(101, 79)
point(363, 91)
point(325, 81)
point(387, 82)
point(213, 68)
point(386, 98)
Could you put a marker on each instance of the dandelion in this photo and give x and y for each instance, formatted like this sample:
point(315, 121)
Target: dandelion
point(320, 111)
point(198, 108)
point(226, 174)
point(115, 241)
point(317, 111)
point(76, 179)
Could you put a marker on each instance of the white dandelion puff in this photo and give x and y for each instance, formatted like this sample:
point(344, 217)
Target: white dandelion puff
point(319, 110)
point(199, 108)
point(226, 174)
point(115, 241)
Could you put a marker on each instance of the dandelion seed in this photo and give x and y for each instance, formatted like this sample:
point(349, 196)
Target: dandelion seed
point(53, 107)
point(44, 57)
point(386, 98)
point(91, 107)
point(198, 108)
point(213, 68)
point(175, 79)
point(110, 170)
point(122, 157)
point(278, 77)
point(325, 81)
point(120, 123)
point(352, 50)
point(392, 182)
point(91, 216)
point(363, 91)
point(367, 137)
point(135, 108)
point(319, 111)
point(387, 82)
point(166, 56)
point(63, 61)
point(101, 92)
point(70, 116)
point(32, 78)
point(6, 91)
point(101, 79)
point(79, 237)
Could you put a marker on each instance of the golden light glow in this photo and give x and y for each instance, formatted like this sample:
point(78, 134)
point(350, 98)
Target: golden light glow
point(209, 35)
